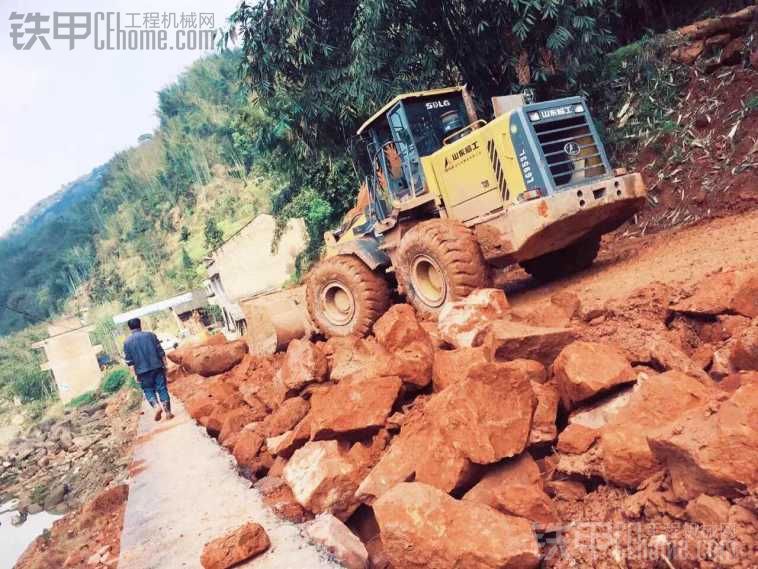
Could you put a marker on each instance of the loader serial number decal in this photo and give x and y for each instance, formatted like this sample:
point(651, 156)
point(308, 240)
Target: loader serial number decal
point(460, 156)
point(526, 167)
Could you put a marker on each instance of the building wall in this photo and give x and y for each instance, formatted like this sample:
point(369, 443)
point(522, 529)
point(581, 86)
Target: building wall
point(72, 358)
point(245, 262)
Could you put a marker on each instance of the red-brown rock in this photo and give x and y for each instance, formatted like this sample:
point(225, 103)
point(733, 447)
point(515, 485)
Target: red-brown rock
point(515, 487)
point(482, 419)
point(626, 455)
point(422, 527)
point(734, 381)
point(506, 340)
point(355, 406)
point(200, 405)
point(305, 363)
point(556, 313)
point(398, 327)
point(336, 538)
point(543, 422)
point(249, 443)
point(323, 478)
point(357, 356)
point(744, 354)
point(713, 449)
point(235, 420)
point(286, 417)
point(576, 439)
point(232, 549)
point(214, 359)
point(708, 510)
point(288, 442)
point(451, 366)
point(278, 496)
point(584, 369)
point(727, 291)
point(462, 321)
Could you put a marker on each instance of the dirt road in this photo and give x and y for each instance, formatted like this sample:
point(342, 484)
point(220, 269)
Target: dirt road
point(671, 258)
point(184, 492)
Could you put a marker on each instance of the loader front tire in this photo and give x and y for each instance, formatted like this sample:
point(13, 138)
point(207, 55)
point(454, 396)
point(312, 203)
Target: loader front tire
point(576, 257)
point(345, 297)
point(439, 261)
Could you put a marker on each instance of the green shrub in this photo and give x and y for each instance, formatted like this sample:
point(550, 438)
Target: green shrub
point(115, 380)
point(84, 399)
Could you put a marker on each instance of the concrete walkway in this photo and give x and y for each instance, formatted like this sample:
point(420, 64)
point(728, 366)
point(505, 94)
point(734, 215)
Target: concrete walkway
point(184, 491)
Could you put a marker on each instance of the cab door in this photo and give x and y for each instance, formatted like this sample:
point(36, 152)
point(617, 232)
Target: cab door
point(407, 151)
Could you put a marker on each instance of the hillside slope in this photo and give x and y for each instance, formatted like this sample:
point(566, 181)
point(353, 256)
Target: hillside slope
point(134, 229)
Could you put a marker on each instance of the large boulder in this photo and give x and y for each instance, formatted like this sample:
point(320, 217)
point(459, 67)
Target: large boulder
point(214, 359)
point(323, 478)
point(247, 447)
point(235, 420)
point(507, 340)
point(515, 487)
point(399, 327)
point(336, 538)
point(356, 356)
point(422, 527)
point(713, 449)
point(734, 291)
point(286, 417)
point(483, 419)
point(399, 333)
point(584, 369)
point(355, 406)
point(626, 456)
point(242, 544)
point(304, 363)
point(451, 366)
point(461, 322)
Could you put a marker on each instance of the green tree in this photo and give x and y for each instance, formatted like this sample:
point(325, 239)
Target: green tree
point(318, 68)
point(214, 237)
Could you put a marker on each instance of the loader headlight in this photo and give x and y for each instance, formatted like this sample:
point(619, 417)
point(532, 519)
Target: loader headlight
point(534, 117)
point(579, 108)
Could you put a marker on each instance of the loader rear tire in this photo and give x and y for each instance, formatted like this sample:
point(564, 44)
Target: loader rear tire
point(576, 257)
point(439, 261)
point(345, 297)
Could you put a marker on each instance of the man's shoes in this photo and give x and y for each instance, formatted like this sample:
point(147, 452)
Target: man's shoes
point(158, 414)
point(169, 415)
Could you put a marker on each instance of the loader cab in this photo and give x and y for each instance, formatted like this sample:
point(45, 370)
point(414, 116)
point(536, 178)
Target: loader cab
point(408, 128)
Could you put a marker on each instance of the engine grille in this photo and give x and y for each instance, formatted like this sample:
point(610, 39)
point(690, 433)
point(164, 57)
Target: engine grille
point(570, 149)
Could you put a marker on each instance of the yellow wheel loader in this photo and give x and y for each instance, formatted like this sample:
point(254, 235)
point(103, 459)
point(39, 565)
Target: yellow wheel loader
point(450, 195)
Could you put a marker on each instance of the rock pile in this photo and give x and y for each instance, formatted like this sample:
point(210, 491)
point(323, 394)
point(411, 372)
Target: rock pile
point(466, 442)
point(59, 463)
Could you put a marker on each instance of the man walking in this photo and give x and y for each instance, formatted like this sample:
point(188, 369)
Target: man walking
point(145, 356)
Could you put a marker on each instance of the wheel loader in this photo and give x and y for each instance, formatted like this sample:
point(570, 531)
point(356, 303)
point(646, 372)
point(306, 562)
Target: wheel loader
point(451, 196)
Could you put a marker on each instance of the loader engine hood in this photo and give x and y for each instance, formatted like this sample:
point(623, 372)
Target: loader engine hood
point(557, 145)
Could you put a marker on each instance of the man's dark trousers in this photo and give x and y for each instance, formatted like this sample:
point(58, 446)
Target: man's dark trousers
point(153, 383)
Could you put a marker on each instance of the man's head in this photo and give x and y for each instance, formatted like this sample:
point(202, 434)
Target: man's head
point(134, 324)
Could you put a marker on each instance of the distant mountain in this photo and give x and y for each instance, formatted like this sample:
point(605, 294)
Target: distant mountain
point(56, 204)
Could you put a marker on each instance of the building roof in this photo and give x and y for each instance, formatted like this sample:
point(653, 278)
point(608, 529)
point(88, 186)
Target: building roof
point(431, 93)
point(187, 301)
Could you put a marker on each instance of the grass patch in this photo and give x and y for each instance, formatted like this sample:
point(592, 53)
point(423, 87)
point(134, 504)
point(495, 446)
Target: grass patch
point(84, 399)
point(115, 380)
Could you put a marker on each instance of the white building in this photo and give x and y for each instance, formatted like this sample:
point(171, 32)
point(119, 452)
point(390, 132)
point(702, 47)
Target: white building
point(245, 265)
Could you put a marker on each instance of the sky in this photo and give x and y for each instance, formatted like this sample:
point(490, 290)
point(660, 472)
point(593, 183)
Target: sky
point(65, 111)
